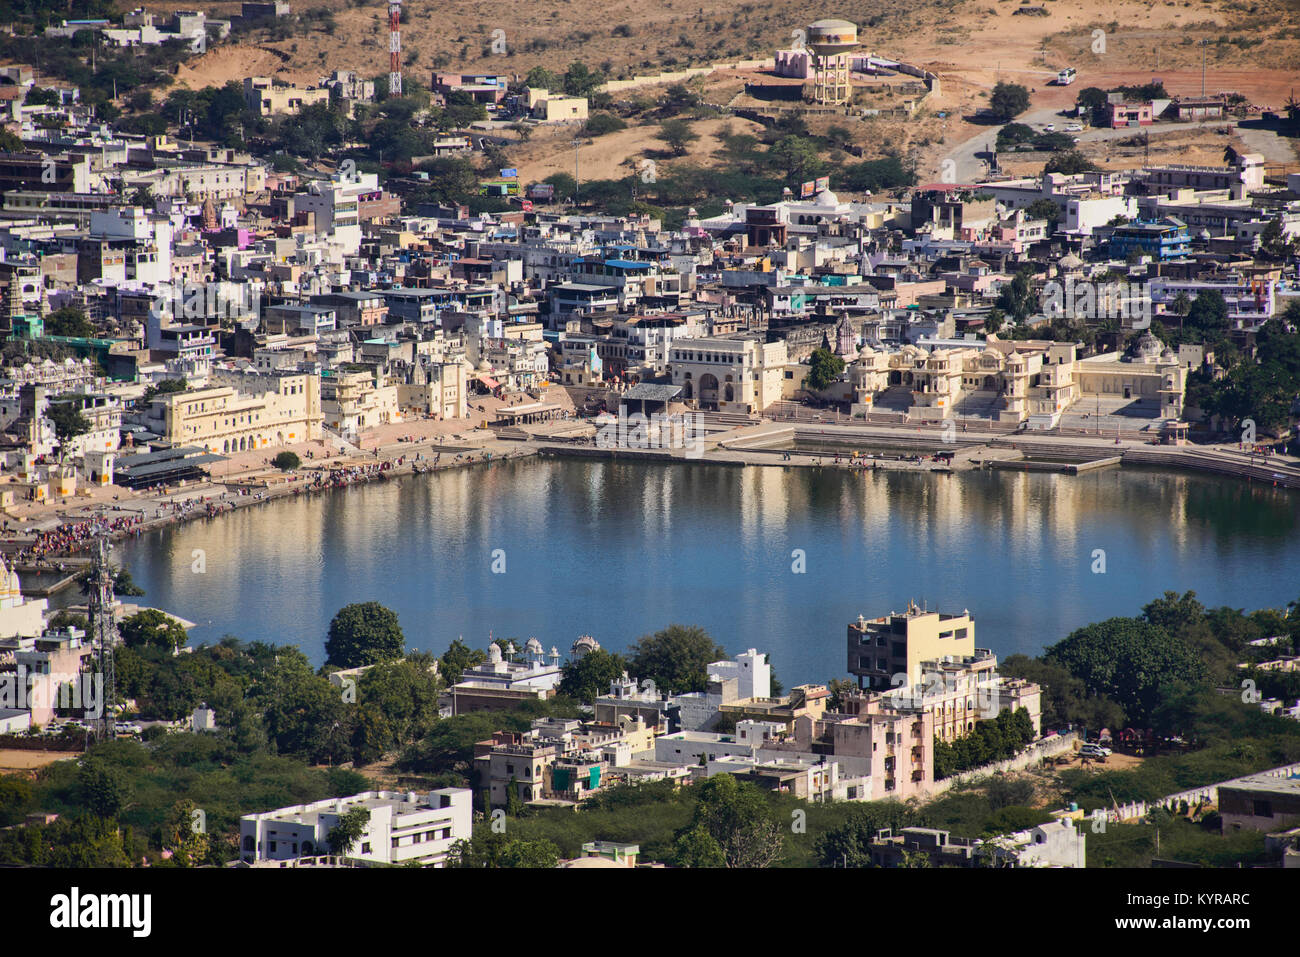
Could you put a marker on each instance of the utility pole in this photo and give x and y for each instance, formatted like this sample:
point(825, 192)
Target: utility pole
point(1204, 44)
point(103, 633)
point(576, 143)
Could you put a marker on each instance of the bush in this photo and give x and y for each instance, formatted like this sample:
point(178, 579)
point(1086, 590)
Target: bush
point(599, 124)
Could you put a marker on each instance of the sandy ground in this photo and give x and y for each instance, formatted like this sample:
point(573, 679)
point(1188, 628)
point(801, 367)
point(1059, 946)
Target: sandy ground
point(16, 760)
point(617, 155)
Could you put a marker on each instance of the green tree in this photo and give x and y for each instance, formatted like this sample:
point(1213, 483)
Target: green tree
point(797, 158)
point(1008, 100)
point(824, 367)
point(69, 322)
point(1044, 209)
point(581, 81)
point(1208, 314)
point(286, 461)
point(103, 788)
point(190, 847)
point(364, 633)
point(676, 658)
point(1068, 162)
point(164, 387)
point(1017, 298)
point(737, 817)
point(678, 135)
point(68, 422)
point(1128, 660)
point(351, 825)
point(591, 675)
point(457, 658)
point(598, 124)
point(696, 847)
point(152, 628)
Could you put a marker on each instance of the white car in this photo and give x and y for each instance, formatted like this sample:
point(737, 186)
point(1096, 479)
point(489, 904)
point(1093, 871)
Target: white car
point(1094, 751)
point(1074, 128)
point(1049, 128)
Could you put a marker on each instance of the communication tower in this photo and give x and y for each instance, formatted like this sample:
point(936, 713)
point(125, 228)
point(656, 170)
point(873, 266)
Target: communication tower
point(394, 47)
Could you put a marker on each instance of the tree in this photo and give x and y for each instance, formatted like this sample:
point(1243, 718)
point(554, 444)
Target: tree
point(676, 658)
point(286, 461)
point(1068, 162)
point(68, 423)
point(1044, 209)
point(1208, 314)
point(405, 693)
point(796, 157)
point(351, 826)
point(498, 850)
point(735, 815)
point(696, 847)
point(10, 142)
point(540, 78)
point(1017, 297)
point(849, 844)
point(189, 846)
point(104, 789)
point(580, 81)
point(1129, 660)
point(457, 658)
point(152, 628)
point(165, 387)
point(69, 322)
point(590, 676)
point(824, 367)
point(1008, 100)
point(362, 634)
point(678, 135)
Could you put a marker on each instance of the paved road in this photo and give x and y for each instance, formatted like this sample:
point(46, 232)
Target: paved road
point(971, 156)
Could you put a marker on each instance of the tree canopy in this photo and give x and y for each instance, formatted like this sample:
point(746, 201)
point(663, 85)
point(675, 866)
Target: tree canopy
point(676, 658)
point(362, 634)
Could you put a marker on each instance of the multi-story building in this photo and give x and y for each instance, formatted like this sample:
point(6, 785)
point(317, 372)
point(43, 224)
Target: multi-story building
point(899, 644)
point(240, 411)
point(728, 375)
point(402, 828)
point(355, 401)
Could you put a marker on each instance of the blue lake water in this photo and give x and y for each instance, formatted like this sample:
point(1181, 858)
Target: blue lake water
point(618, 550)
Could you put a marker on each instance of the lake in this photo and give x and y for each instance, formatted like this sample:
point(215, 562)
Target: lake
point(776, 559)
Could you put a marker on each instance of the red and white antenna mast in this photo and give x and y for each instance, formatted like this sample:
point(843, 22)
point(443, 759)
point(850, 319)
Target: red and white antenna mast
point(394, 47)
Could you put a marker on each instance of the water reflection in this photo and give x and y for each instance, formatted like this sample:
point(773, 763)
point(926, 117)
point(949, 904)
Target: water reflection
point(619, 549)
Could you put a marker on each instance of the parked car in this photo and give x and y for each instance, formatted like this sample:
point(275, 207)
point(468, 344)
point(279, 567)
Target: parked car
point(1074, 128)
point(1094, 751)
point(1049, 128)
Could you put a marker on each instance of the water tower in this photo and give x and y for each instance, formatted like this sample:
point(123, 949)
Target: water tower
point(831, 42)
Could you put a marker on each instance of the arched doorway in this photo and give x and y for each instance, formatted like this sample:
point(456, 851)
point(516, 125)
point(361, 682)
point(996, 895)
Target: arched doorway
point(708, 391)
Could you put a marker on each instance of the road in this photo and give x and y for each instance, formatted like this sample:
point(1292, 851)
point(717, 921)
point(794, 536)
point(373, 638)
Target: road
point(970, 157)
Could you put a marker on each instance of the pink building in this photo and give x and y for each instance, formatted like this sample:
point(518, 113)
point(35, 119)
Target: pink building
point(1132, 114)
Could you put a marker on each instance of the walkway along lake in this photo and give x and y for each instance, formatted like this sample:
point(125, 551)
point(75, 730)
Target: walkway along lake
point(618, 549)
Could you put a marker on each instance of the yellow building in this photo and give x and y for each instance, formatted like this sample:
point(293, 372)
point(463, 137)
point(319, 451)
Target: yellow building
point(354, 401)
point(899, 644)
point(241, 411)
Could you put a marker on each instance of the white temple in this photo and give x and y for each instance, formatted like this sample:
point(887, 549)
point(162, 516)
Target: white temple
point(18, 615)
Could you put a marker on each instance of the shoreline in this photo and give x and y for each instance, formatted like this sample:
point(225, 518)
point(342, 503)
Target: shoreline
point(904, 451)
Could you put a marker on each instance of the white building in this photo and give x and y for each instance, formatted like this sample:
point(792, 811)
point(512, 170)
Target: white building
point(403, 827)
